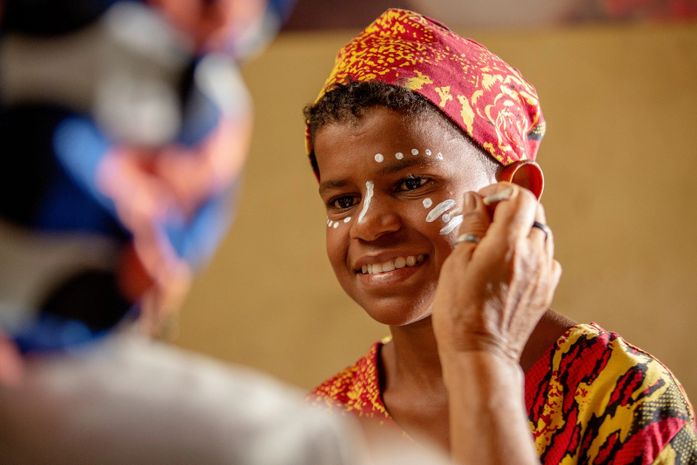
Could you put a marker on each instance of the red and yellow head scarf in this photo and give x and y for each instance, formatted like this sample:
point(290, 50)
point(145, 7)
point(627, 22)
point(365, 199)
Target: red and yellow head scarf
point(488, 99)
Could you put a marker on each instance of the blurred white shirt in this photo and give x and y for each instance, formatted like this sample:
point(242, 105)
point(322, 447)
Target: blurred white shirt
point(132, 401)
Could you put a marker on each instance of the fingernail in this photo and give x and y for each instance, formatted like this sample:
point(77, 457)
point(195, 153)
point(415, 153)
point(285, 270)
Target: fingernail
point(470, 201)
point(498, 196)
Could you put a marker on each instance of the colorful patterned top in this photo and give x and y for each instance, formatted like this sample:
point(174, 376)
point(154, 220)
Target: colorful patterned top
point(592, 398)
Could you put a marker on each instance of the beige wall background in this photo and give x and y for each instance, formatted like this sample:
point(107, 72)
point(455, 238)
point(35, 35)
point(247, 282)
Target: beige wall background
point(620, 158)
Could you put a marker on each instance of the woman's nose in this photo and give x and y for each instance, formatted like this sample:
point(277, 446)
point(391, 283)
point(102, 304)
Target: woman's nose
point(376, 219)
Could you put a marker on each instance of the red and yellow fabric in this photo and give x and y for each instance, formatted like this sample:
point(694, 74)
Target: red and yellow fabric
point(487, 98)
point(592, 398)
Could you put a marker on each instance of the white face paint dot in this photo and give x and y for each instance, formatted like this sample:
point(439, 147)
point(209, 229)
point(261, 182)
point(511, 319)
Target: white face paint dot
point(428, 152)
point(379, 158)
point(336, 225)
point(439, 156)
point(427, 203)
point(445, 218)
point(399, 155)
point(414, 152)
point(329, 222)
point(347, 219)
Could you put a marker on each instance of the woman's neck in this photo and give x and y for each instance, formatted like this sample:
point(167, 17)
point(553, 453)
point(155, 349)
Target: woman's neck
point(411, 360)
point(412, 382)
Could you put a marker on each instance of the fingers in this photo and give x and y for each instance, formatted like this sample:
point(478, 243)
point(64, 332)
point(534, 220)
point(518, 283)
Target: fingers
point(514, 210)
point(475, 222)
point(541, 234)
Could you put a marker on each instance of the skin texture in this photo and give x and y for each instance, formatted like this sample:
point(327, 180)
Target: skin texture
point(487, 303)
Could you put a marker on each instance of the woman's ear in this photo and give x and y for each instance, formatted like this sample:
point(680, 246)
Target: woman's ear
point(524, 173)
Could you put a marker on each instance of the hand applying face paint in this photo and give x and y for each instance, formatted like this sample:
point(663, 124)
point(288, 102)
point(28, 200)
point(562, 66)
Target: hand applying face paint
point(493, 289)
point(492, 293)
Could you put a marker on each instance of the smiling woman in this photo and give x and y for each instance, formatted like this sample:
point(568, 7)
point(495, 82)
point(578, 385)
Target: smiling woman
point(393, 226)
point(412, 119)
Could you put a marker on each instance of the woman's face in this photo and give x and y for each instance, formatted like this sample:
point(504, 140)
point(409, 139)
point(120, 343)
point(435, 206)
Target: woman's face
point(391, 186)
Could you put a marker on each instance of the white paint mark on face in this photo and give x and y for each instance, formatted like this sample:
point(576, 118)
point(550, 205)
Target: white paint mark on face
point(415, 152)
point(347, 219)
point(399, 155)
point(366, 201)
point(379, 157)
point(335, 225)
point(428, 152)
point(329, 222)
point(427, 203)
point(446, 217)
point(439, 209)
point(452, 224)
point(439, 156)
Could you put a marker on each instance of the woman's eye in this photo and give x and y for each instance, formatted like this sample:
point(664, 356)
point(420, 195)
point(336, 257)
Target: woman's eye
point(412, 182)
point(342, 203)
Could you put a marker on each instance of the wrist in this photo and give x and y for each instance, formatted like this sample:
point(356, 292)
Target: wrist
point(481, 369)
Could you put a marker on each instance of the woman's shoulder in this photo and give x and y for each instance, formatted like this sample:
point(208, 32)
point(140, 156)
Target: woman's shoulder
point(588, 361)
point(356, 388)
point(590, 354)
point(605, 396)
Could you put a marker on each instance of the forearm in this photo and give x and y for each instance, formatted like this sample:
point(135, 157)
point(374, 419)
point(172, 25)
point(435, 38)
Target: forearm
point(488, 423)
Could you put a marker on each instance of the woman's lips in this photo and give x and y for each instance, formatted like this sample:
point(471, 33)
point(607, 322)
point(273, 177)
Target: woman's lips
point(392, 264)
point(391, 271)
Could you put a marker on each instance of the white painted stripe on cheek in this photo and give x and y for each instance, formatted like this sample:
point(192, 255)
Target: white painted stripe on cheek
point(439, 209)
point(366, 202)
point(450, 227)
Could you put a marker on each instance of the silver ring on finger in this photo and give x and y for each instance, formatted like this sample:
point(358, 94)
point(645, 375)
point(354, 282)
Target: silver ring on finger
point(467, 237)
point(542, 227)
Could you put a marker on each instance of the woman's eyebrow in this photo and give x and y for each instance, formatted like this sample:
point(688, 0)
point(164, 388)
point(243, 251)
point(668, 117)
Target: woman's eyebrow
point(399, 165)
point(332, 184)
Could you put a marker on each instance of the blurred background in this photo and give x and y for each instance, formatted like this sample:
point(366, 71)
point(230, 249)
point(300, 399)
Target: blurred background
point(618, 84)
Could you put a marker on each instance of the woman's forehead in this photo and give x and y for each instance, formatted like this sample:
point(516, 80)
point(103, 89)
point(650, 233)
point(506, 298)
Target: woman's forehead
point(382, 129)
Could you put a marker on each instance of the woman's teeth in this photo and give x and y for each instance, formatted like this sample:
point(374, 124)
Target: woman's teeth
point(391, 265)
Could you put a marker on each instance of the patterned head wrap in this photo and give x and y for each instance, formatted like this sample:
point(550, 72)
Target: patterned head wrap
point(488, 99)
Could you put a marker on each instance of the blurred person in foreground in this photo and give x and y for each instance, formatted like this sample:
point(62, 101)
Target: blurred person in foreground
point(123, 130)
point(423, 144)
